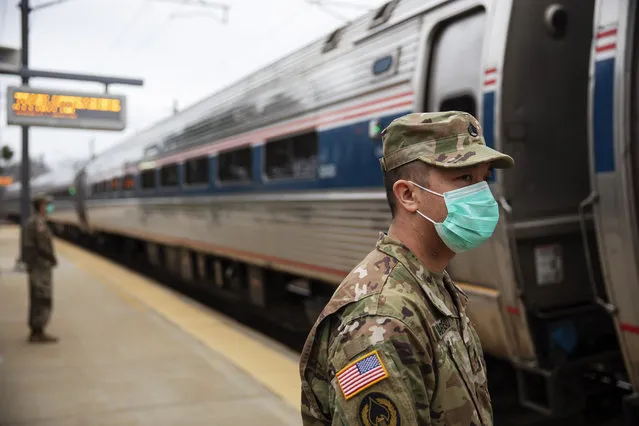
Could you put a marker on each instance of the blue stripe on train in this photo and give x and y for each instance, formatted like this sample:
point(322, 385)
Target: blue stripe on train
point(488, 118)
point(604, 150)
point(347, 157)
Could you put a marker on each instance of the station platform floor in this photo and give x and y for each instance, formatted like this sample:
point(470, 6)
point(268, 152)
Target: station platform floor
point(132, 353)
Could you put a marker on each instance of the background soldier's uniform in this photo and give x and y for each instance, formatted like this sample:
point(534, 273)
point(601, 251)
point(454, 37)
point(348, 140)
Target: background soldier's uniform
point(39, 257)
point(394, 345)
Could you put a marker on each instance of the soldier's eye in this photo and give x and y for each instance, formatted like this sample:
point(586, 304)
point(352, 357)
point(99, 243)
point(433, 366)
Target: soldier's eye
point(466, 178)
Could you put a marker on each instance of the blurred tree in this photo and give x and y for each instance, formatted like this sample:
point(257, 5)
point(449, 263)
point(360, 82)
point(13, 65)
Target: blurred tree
point(7, 153)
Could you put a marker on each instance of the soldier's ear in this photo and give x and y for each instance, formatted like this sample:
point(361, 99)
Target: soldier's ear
point(405, 194)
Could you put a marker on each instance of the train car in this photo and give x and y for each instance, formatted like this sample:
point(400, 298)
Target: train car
point(272, 187)
point(614, 172)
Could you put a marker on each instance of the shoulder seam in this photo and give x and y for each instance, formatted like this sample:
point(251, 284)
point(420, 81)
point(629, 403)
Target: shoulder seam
point(385, 281)
point(409, 328)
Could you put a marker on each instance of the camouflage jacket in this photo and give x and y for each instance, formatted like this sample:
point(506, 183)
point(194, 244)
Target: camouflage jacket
point(38, 252)
point(394, 346)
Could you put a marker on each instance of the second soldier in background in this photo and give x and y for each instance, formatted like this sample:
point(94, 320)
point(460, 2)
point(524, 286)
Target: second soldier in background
point(394, 345)
point(40, 259)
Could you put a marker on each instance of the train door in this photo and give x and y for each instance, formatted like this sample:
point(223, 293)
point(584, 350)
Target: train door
point(474, 33)
point(614, 165)
point(543, 125)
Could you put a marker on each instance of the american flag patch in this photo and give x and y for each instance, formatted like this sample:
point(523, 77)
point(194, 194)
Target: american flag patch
point(361, 374)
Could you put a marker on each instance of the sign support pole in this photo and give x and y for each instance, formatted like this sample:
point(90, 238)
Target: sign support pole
point(25, 198)
point(25, 73)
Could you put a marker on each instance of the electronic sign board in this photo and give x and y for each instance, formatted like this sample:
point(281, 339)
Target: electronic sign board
point(28, 106)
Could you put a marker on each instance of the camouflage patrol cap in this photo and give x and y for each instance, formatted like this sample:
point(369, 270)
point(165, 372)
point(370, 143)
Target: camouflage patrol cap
point(450, 139)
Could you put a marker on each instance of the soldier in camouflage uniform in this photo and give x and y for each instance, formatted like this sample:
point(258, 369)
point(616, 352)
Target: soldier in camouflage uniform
point(39, 257)
point(394, 345)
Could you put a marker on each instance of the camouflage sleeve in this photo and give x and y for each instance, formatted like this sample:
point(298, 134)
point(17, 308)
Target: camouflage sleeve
point(314, 376)
point(29, 244)
point(381, 373)
point(44, 243)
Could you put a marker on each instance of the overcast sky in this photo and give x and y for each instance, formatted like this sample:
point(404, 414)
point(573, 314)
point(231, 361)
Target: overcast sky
point(181, 52)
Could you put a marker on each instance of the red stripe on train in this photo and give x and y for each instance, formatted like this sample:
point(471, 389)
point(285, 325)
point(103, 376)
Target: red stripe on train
point(607, 33)
point(606, 47)
point(631, 328)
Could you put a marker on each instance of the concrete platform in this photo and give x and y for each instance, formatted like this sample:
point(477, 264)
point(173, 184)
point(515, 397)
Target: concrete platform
point(132, 354)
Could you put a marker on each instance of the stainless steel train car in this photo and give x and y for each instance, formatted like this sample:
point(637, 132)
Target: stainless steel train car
point(613, 137)
point(272, 187)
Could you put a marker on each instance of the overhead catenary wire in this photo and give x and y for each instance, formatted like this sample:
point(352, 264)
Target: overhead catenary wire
point(187, 14)
point(323, 5)
point(334, 14)
point(204, 4)
point(135, 16)
point(343, 4)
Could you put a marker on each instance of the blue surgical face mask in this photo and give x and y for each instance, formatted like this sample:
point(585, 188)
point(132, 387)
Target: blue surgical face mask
point(50, 208)
point(472, 216)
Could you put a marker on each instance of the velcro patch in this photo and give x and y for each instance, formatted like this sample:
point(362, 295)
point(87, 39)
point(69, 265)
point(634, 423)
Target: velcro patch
point(361, 374)
point(442, 326)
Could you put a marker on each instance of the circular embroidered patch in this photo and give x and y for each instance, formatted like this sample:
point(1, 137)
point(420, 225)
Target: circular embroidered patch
point(376, 409)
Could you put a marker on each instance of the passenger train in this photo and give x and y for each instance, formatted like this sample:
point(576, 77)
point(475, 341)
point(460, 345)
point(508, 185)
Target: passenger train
point(272, 186)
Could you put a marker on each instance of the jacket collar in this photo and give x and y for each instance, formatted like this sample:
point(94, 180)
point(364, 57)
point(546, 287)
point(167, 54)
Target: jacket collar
point(425, 278)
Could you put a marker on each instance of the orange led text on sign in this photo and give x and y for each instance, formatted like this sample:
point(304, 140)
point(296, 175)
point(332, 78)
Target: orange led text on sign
point(61, 105)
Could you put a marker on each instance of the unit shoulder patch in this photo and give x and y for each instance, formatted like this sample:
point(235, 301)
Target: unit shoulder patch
point(361, 374)
point(377, 409)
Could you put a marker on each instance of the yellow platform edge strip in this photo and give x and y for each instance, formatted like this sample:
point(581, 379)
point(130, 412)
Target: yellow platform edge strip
point(272, 369)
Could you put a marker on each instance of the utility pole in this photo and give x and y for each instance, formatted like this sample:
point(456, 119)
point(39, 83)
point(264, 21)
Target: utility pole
point(25, 208)
point(25, 73)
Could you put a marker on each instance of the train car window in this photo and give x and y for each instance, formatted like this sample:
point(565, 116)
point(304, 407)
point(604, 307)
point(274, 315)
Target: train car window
point(128, 183)
point(169, 175)
point(106, 186)
point(458, 39)
point(236, 165)
point(147, 178)
point(294, 157)
point(115, 184)
point(196, 171)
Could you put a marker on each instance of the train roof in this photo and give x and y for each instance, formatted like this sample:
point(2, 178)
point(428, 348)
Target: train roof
point(136, 147)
